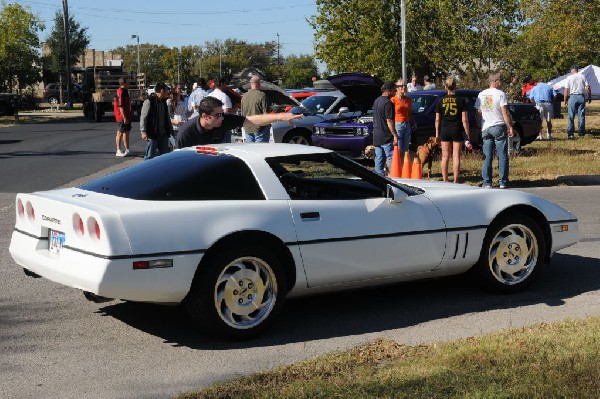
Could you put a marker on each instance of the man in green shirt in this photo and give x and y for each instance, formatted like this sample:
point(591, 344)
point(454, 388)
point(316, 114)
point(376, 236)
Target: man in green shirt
point(254, 102)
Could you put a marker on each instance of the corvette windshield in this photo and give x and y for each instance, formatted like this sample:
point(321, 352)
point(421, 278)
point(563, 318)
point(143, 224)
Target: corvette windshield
point(318, 104)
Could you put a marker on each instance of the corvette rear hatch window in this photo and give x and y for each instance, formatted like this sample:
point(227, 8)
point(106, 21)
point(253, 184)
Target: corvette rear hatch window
point(182, 176)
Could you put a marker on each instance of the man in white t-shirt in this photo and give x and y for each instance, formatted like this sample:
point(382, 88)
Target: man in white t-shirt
point(492, 108)
point(413, 85)
point(575, 88)
point(219, 84)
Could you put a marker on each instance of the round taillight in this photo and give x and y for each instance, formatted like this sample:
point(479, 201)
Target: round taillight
point(20, 208)
point(93, 226)
point(30, 211)
point(78, 225)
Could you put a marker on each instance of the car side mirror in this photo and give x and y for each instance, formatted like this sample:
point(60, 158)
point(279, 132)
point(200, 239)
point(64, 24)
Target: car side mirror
point(394, 194)
point(343, 110)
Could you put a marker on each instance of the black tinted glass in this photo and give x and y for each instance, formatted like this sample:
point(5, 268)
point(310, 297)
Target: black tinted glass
point(182, 176)
point(421, 102)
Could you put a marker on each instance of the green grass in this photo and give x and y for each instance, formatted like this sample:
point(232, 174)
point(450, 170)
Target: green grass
point(545, 361)
point(542, 162)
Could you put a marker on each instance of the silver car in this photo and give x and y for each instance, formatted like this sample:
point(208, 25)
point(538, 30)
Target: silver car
point(317, 108)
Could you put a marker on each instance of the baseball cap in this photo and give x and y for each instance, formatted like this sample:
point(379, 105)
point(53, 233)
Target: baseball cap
point(389, 85)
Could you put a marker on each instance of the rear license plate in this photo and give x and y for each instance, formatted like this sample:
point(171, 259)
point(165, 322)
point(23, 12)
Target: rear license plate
point(57, 241)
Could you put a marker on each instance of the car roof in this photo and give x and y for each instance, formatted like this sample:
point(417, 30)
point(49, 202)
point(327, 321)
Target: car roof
point(261, 150)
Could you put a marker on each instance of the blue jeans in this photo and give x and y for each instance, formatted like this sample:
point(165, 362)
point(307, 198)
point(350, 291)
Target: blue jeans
point(383, 155)
point(161, 144)
point(576, 104)
point(262, 136)
point(404, 131)
point(495, 137)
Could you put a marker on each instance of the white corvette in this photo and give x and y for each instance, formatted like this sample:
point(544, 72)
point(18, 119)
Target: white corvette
point(232, 230)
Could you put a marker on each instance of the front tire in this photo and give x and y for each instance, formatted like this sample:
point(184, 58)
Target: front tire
point(512, 253)
point(237, 293)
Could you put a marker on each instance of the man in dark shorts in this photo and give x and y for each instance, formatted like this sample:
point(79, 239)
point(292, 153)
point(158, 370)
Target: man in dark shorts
point(212, 124)
point(451, 128)
point(123, 114)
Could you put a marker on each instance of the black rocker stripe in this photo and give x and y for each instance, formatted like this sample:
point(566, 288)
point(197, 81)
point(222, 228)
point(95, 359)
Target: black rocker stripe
point(391, 235)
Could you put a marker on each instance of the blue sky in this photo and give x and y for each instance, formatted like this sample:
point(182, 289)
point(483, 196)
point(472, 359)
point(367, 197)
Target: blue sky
point(177, 23)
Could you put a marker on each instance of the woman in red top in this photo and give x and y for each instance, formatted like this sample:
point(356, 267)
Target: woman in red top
point(403, 117)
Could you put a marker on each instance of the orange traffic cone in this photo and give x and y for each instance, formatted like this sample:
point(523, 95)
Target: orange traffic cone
point(406, 166)
point(396, 169)
point(417, 169)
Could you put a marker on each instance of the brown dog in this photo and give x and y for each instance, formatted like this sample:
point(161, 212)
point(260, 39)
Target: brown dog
point(425, 153)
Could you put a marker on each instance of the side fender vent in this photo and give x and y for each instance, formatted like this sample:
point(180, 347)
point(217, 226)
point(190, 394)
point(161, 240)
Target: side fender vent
point(458, 245)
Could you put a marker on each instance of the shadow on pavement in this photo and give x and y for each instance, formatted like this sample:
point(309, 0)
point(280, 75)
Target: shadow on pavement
point(370, 310)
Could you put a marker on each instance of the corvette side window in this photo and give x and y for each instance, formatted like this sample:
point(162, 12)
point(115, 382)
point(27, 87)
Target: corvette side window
point(317, 178)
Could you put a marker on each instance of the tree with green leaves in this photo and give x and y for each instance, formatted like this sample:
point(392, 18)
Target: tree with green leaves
point(298, 70)
point(19, 46)
point(442, 36)
point(54, 62)
point(560, 33)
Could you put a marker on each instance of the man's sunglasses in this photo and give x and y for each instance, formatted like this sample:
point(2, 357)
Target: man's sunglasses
point(218, 115)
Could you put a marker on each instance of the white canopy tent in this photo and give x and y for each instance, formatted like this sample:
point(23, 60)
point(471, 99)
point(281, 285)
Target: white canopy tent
point(591, 73)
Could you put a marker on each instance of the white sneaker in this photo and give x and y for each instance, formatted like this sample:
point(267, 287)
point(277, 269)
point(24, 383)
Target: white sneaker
point(539, 137)
point(119, 153)
point(127, 152)
point(548, 136)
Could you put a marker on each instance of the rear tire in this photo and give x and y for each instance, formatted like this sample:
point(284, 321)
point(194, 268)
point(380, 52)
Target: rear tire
point(238, 292)
point(297, 137)
point(3, 109)
point(53, 100)
point(512, 253)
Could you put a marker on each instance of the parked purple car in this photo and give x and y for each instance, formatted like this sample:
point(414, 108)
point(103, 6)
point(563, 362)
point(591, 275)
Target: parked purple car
point(351, 136)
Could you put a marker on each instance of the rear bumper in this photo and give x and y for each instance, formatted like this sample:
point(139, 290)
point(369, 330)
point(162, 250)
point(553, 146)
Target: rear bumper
point(111, 278)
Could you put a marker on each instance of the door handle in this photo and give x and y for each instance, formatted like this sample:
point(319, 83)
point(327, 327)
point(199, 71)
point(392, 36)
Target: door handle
point(310, 216)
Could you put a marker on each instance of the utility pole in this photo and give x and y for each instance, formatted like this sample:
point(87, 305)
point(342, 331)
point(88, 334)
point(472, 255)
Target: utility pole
point(220, 60)
point(136, 36)
point(67, 55)
point(403, 25)
point(200, 63)
point(278, 62)
point(178, 66)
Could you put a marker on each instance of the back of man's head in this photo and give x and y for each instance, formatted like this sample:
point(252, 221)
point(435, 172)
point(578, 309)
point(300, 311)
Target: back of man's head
point(160, 86)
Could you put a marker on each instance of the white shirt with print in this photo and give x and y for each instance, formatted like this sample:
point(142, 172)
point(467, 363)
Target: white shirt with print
point(490, 102)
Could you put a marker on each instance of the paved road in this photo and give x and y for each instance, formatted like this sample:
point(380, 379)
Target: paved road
point(54, 344)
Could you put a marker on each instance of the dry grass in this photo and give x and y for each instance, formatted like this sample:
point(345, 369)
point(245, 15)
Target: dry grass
point(542, 162)
point(545, 361)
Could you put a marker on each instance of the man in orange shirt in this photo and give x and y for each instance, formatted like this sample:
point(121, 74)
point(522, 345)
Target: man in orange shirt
point(403, 117)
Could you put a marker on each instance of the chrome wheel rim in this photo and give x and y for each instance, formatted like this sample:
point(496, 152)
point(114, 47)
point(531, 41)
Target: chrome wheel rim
point(245, 292)
point(299, 140)
point(513, 254)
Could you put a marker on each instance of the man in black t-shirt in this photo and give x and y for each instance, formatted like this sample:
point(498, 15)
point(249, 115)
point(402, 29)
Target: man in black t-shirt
point(211, 125)
point(384, 131)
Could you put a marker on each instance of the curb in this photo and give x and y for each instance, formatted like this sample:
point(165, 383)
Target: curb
point(579, 180)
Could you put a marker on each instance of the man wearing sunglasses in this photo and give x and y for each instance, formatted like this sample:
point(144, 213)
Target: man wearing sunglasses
point(212, 124)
